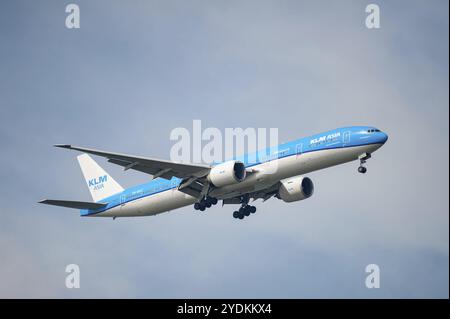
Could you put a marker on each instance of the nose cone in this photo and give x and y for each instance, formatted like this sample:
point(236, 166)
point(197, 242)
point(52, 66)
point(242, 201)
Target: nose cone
point(383, 137)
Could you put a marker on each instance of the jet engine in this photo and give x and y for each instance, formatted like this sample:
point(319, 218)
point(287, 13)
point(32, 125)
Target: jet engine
point(295, 189)
point(227, 173)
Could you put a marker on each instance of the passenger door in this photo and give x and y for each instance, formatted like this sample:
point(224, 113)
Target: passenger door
point(123, 199)
point(299, 149)
point(346, 138)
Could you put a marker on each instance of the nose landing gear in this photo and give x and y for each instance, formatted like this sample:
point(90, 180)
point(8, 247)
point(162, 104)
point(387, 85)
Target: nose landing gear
point(362, 160)
point(362, 169)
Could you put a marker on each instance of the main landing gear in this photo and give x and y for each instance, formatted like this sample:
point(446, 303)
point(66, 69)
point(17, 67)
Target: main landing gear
point(362, 160)
point(245, 209)
point(204, 203)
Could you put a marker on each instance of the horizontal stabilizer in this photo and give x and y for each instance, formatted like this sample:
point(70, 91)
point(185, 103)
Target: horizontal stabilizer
point(73, 204)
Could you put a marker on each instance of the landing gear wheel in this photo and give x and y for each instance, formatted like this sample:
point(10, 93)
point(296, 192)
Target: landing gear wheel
point(241, 213)
point(205, 203)
point(245, 209)
point(362, 160)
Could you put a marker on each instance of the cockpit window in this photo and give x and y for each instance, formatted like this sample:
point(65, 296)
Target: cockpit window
point(373, 130)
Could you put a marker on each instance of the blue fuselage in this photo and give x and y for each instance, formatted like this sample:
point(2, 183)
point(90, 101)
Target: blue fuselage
point(345, 137)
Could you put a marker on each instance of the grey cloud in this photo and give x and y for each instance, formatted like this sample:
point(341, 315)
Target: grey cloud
point(135, 71)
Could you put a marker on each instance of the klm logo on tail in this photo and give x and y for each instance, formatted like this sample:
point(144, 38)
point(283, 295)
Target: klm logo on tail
point(101, 184)
point(98, 182)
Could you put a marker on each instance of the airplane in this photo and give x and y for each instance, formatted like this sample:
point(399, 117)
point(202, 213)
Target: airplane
point(277, 172)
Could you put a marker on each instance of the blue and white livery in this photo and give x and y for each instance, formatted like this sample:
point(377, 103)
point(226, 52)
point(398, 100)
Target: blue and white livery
point(273, 172)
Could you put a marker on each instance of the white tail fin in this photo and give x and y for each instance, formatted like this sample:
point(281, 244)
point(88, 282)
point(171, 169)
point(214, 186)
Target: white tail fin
point(100, 183)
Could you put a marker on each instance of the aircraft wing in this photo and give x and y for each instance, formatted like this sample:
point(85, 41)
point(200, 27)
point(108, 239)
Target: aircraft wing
point(155, 167)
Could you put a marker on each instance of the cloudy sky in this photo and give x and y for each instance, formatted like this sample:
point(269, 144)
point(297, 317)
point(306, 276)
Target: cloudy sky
point(134, 71)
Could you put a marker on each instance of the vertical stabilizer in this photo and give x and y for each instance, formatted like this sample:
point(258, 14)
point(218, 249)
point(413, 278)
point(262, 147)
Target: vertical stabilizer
point(100, 183)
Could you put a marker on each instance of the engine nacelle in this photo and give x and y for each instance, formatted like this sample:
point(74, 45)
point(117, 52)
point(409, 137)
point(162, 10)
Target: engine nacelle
point(295, 188)
point(227, 173)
